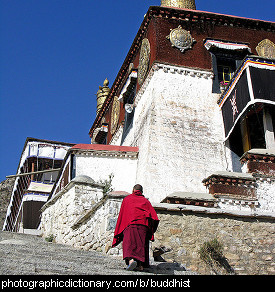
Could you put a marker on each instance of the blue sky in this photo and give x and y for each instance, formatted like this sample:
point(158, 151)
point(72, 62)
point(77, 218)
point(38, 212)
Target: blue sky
point(55, 53)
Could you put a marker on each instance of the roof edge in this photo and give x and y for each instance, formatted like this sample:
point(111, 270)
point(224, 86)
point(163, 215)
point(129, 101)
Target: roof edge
point(101, 147)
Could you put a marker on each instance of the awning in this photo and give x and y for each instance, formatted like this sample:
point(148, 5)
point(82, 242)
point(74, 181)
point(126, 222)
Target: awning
point(45, 150)
point(225, 45)
point(37, 197)
point(40, 187)
point(100, 133)
point(253, 82)
point(129, 85)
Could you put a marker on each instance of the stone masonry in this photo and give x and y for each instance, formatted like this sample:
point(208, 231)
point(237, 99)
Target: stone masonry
point(87, 228)
point(248, 238)
point(5, 194)
point(249, 243)
point(24, 254)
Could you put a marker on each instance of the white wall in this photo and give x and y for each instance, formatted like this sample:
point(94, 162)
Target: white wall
point(265, 194)
point(178, 128)
point(61, 214)
point(100, 167)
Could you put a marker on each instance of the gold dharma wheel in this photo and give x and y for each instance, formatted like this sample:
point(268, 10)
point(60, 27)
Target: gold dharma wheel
point(144, 60)
point(115, 114)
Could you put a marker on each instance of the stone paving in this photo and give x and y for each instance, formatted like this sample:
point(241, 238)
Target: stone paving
point(23, 254)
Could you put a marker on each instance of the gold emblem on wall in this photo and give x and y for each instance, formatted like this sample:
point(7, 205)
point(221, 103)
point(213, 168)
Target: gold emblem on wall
point(115, 114)
point(181, 39)
point(144, 59)
point(266, 49)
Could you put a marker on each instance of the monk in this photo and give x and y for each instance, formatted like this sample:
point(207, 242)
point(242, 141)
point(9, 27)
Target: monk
point(136, 224)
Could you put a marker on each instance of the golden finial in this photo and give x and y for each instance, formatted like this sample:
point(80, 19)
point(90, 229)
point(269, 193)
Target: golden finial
point(186, 4)
point(106, 82)
point(101, 95)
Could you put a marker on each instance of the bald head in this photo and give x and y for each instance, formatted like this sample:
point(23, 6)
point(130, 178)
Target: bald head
point(138, 188)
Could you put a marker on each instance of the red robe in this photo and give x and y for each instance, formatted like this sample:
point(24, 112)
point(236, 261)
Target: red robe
point(135, 209)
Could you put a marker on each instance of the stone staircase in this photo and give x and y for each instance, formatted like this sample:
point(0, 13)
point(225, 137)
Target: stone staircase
point(23, 254)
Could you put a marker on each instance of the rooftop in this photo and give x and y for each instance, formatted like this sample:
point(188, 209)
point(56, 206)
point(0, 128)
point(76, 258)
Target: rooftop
point(101, 147)
point(185, 15)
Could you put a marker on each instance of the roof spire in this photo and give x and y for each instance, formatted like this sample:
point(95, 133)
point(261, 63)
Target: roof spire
point(101, 95)
point(186, 4)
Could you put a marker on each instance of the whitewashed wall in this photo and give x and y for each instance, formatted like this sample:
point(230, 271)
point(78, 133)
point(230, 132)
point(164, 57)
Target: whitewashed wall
point(178, 128)
point(99, 167)
point(266, 194)
point(82, 217)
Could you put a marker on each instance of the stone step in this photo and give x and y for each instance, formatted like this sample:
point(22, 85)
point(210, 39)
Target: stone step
point(27, 254)
point(23, 254)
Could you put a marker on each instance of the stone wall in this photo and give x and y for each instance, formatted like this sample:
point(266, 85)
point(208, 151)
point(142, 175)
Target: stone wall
point(5, 195)
point(60, 213)
point(249, 243)
point(81, 216)
point(248, 239)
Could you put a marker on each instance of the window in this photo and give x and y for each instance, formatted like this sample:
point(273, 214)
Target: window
point(224, 66)
point(225, 69)
point(225, 73)
point(73, 166)
point(129, 114)
point(226, 58)
point(128, 122)
point(256, 130)
point(127, 96)
point(249, 132)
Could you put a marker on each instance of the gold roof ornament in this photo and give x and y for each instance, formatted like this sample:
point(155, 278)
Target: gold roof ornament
point(185, 4)
point(266, 49)
point(181, 39)
point(106, 82)
point(144, 60)
point(115, 114)
point(101, 95)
